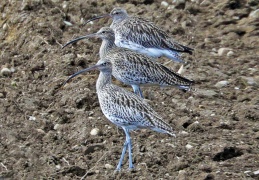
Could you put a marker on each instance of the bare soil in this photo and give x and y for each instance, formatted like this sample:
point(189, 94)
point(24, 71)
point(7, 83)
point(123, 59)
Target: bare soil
point(45, 129)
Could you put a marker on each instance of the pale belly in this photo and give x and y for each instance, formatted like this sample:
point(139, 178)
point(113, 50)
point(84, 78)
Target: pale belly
point(152, 52)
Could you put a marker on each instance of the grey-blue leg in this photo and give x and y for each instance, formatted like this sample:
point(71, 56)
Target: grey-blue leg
point(127, 144)
point(129, 148)
point(122, 154)
point(137, 90)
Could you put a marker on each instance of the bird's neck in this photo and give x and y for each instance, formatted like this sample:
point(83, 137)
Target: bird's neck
point(104, 79)
point(106, 46)
point(116, 22)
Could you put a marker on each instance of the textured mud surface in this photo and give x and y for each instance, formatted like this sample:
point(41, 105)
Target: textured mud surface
point(45, 129)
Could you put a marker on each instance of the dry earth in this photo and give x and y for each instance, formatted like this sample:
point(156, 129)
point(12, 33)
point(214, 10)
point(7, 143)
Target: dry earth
point(45, 129)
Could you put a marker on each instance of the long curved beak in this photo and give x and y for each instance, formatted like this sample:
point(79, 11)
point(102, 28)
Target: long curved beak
point(98, 17)
point(78, 39)
point(80, 72)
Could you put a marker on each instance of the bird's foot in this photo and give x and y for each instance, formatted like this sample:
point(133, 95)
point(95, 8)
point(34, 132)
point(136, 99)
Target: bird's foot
point(131, 167)
point(118, 168)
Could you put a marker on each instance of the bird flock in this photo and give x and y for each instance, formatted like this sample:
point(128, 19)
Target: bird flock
point(128, 52)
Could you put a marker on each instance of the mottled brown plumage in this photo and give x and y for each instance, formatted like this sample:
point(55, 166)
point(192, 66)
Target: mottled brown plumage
point(144, 36)
point(134, 68)
point(124, 109)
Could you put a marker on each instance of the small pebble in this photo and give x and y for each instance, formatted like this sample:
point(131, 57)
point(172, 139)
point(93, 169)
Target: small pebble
point(90, 113)
point(95, 131)
point(205, 3)
point(82, 21)
point(3, 15)
point(12, 69)
point(5, 27)
point(214, 50)
point(252, 70)
point(68, 23)
point(32, 118)
point(183, 24)
point(64, 6)
point(167, 174)
point(221, 84)
point(207, 93)
point(57, 126)
point(171, 145)
point(13, 83)
point(256, 172)
point(6, 71)
point(184, 133)
point(108, 127)
point(164, 3)
point(246, 172)
point(223, 51)
point(250, 80)
point(75, 147)
point(182, 175)
point(230, 53)
point(1, 95)
point(40, 131)
point(188, 146)
point(195, 127)
point(108, 166)
point(201, 106)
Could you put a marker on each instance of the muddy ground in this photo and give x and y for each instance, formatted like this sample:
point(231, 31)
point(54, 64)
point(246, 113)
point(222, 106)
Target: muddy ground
point(45, 129)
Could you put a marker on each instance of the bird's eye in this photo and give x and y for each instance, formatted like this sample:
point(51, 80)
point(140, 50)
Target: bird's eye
point(103, 32)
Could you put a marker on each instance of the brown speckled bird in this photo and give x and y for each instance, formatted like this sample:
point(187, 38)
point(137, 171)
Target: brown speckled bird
point(134, 68)
point(124, 109)
point(143, 36)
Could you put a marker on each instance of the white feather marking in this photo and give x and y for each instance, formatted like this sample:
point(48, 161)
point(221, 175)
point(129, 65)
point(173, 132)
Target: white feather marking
point(153, 52)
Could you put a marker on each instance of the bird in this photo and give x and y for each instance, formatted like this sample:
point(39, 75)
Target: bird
point(124, 108)
point(143, 36)
point(134, 68)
